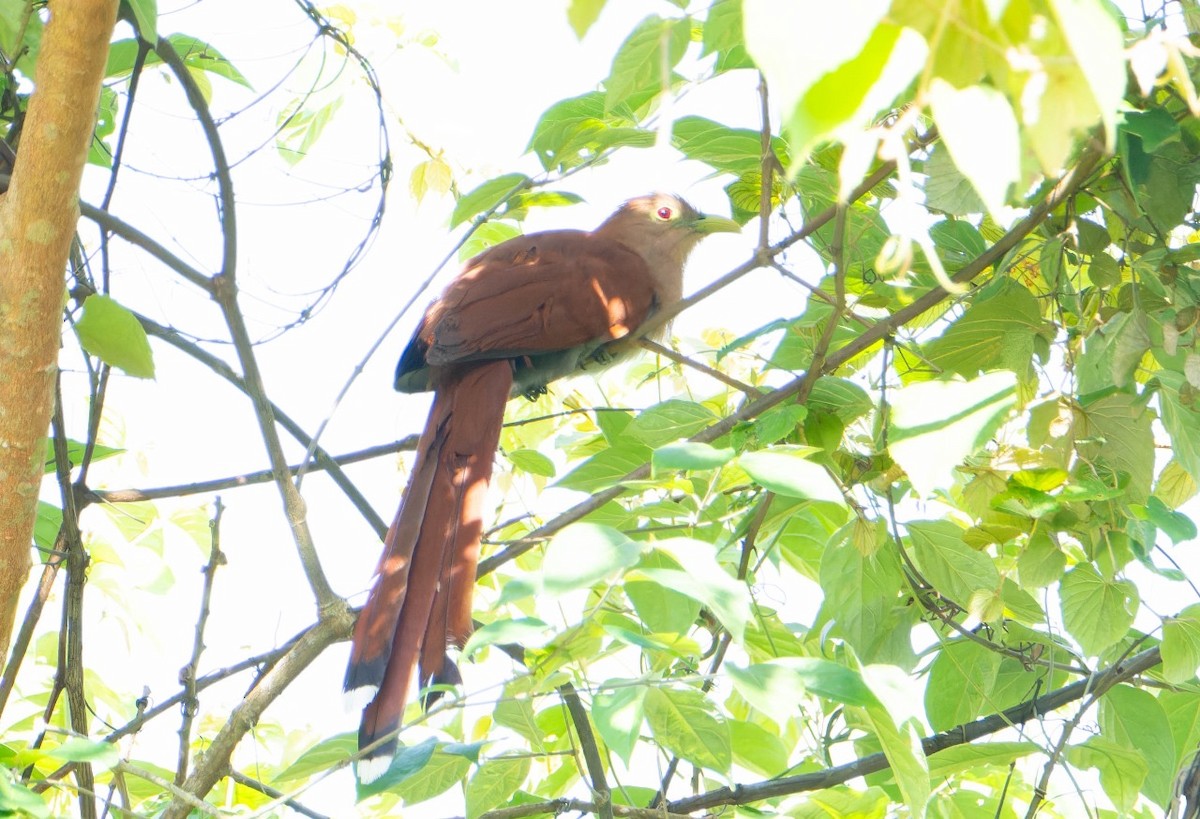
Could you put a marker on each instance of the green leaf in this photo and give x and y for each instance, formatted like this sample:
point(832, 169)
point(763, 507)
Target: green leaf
point(777, 687)
point(581, 14)
point(46, 527)
point(723, 36)
point(997, 332)
point(524, 631)
point(1114, 352)
point(487, 236)
point(794, 48)
point(960, 684)
point(1181, 645)
point(661, 608)
point(1096, 42)
point(145, 13)
point(76, 450)
point(1122, 770)
point(1115, 431)
point(704, 580)
point(196, 54)
point(756, 748)
point(531, 461)
point(955, 569)
point(299, 128)
point(946, 189)
point(409, 759)
point(852, 94)
point(77, 749)
point(936, 425)
point(515, 711)
point(1155, 127)
point(790, 473)
point(979, 129)
point(618, 710)
point(17, 800)
point(320, 757)
point(732, 150)
point(1182, 709)
point(691, 455)
point(1097, 612)
point(964, 758)
point(113, 334)
point(1175, 525)
point(576, 130)
point(443, 771)
point(958, 242)
point(607, 467)
point(656, 44)
point(494, 782)
point(1182, 421)
point(669, 421)
point(487, 195)
point(902, 747)
point(1133, 718)
point(432, 174)
point(584, 554)
point(685, 723)
point(1042, 561)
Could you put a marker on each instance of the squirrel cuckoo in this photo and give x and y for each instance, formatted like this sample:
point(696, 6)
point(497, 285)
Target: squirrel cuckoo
point(518, 316)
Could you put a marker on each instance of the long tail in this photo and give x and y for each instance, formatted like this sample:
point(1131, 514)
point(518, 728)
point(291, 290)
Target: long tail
point(421, 601)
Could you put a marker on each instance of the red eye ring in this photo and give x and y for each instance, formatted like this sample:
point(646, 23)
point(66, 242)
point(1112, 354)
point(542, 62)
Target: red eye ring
point(664, 213)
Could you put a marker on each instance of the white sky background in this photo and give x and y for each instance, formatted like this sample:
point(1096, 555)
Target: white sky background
point(511, 62)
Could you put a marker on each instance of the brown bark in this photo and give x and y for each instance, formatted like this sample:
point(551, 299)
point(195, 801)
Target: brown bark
point(37, 222)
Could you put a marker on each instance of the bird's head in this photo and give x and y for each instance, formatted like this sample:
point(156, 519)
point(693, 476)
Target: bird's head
point(663, 229)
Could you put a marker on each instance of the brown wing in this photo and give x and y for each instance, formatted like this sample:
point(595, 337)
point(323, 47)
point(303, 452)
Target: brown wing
point(540, 293)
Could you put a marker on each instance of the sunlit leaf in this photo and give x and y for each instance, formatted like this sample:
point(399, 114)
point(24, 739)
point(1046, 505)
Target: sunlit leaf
point(1181, 645)
point(113, 334)
point(937, 424)
point(583, 554)
point(487, 195)
point(495, 781)
point(618, 711)
point(1097, 612)
point(790, 473)
point(685, 723)
point(979, 129)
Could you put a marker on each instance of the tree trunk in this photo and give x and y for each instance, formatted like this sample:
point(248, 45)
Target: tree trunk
point(37, 223)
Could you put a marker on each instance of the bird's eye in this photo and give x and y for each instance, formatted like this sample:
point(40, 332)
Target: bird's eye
point(664, 213)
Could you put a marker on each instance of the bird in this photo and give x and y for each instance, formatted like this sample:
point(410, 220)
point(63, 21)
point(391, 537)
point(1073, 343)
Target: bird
point(518, 316)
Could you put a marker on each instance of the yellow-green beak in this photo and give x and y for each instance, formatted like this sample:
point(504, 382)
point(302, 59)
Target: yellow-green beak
point(706, 223)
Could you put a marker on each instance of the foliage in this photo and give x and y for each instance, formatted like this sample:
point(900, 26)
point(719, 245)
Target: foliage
point(924, 531)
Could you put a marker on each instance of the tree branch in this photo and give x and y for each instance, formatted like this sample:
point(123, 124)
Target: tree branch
point(961, 735)
point(37, 225)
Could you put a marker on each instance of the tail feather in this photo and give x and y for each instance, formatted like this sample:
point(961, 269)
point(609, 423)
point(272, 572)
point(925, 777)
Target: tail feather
point(422, 596)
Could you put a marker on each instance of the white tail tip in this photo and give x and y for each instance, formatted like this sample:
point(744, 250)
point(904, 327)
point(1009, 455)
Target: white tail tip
point(356, 699)
point(372, 768)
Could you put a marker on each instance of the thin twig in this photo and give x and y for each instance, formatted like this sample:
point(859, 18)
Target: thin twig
point(682, 360)
point(331, 628)
point(70, 671)
point(247, 479)
point(279, 796)
point(590, 750)
point(187, 674)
